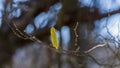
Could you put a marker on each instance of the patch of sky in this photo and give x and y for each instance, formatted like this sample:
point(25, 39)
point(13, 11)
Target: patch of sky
point(19, 1)
point(89, 3)
point(0, 14)
point(56, 7)
point(109, 27)
point(104, 6)
point(43, 18)
point(1, 10)
point(29, 29)
point(2, 4)
point(20, 53)
point(16, 13)
point(65, 34)
point(58, 35)
point(16, 5)
point(52, 23)
point(16, 8)
point(21, 56)
point(0, 22)
point(108, 5)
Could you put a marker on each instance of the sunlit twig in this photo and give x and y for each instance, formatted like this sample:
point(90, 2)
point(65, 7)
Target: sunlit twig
point(93, 48)
point(76, 35)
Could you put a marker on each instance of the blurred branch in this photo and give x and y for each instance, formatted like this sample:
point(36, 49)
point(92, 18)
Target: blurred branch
point(87, 16)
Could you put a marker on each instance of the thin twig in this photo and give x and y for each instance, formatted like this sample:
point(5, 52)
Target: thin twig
point(76, 35)
point(93, 48)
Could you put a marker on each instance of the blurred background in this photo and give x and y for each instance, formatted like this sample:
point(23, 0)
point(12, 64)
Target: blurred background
point(98, 27)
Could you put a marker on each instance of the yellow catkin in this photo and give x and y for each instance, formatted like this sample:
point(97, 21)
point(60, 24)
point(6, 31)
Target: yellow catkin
point(54, 38)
